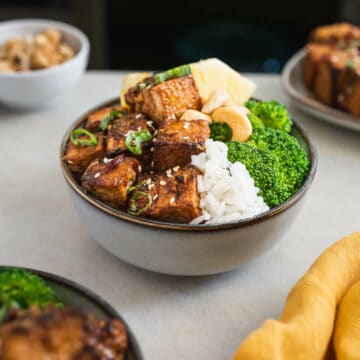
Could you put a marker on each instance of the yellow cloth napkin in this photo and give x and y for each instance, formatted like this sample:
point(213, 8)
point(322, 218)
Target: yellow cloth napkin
point(305, 328)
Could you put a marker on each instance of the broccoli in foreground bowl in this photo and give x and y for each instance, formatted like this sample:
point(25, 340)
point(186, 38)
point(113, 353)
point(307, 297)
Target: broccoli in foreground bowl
point(20, 289)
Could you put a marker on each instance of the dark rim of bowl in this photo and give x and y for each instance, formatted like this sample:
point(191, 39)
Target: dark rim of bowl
point(187, 227)
point(93, 297)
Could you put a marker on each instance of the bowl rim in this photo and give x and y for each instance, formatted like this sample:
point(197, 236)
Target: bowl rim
point(87, 293)
point(162, 225)
point(83, 50)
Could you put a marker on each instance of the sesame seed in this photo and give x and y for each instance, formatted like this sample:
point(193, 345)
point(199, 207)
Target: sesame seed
point(162, 182)
point(155, 196)
point(97, 175)
point(152, 164)
point(139, 168)
point(149, 123)
point(176, 168)
point(70, 162)
point(156, 132)
point(138, 116)
point(139, 128)
point(148, 181)
point(152, 149)
point(186, 138)
point(106, 160)
point(172, 200)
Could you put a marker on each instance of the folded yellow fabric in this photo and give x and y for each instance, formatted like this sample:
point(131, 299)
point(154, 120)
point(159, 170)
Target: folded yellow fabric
point(304, 330)
point(347, 326)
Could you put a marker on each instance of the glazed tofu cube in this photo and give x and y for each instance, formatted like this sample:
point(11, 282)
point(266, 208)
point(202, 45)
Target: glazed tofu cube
point(177, 141)
point(120, 128)
point(171, 196)
point(78, 158)
point(167, 100)
point(94, 119)
point(110, 179)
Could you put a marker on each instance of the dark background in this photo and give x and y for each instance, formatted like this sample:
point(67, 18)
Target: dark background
point(252, 35)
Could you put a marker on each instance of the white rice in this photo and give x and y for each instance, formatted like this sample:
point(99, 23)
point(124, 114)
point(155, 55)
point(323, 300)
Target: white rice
point(227, 190)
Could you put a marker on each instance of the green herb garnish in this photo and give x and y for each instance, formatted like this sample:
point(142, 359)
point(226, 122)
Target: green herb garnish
point(91, 141)
point(114, 114)
point(133, 209)
point(176, 72)
point(19, 289)
point(135, 139)
point(350, 64)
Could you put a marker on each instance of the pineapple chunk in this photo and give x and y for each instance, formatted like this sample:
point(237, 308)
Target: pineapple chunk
point(130, 80)
point(212, 74)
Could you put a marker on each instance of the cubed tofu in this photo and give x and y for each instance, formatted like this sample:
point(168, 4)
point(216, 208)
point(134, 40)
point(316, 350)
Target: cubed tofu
point(177, 140)
point(314, 55)
point(171, 196)
point(78, 158)
point(110, 179)
point(120, 128)
point(94, 119)
point(167, 100)
point(341, 34)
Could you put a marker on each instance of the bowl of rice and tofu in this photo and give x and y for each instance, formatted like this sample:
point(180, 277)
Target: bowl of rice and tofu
point(187, 174)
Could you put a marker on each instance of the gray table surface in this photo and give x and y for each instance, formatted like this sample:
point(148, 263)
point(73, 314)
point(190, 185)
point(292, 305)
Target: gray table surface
point(202, 318)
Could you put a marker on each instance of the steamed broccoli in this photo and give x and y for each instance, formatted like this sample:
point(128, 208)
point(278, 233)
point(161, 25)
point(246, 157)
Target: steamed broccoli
point(20, 289)
point(292, 157)
point(256, 123)
point(264, 168)
point(271, 113)
point(220, 132)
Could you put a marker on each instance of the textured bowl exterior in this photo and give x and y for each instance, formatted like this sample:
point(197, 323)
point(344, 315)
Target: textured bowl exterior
point(75, 295)
point(184, 249)
point(41, 88)
point(176, 252)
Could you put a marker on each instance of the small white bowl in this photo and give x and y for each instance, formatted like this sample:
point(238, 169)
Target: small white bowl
point(39, 88)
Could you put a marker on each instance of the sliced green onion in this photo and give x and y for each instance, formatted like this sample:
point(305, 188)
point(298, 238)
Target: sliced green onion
point(91, 141)
point(114, 114)
point(350, 64)
point(133, 210)
point(135, 139)
point(176, 72)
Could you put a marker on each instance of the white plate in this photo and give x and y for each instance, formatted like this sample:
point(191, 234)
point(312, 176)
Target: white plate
point(303, 98)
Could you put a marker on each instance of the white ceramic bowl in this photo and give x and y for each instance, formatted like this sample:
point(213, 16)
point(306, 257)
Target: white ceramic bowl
point(34, 89)
point(184, 249)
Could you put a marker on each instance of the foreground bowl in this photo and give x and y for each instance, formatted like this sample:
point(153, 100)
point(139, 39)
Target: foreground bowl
point(75, 295)
point(39, 88)
point(184, 249)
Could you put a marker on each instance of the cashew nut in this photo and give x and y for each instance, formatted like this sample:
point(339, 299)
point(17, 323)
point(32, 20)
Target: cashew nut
point(216, 99)
point(191, 114)
point(237, 119)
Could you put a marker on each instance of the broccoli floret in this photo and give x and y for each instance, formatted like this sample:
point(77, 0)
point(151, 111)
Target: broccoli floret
point(292, 157)
point(271, 113)
point(20, 289)
point(220, 132)
point(264, 168)
point(256, 123)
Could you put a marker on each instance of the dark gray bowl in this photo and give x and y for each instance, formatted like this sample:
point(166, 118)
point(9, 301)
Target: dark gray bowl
point(76, 295)
point(185, 249)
